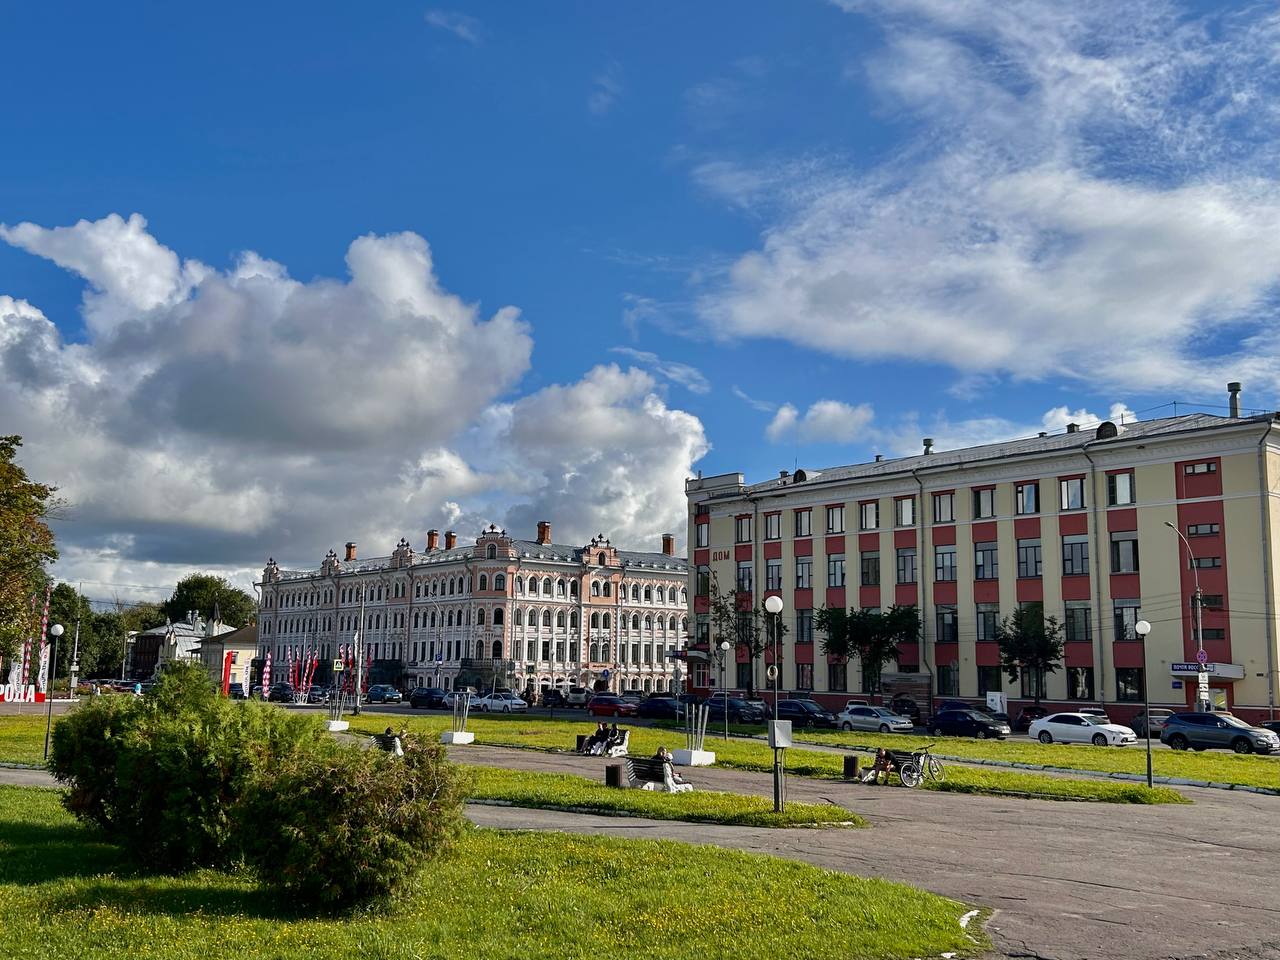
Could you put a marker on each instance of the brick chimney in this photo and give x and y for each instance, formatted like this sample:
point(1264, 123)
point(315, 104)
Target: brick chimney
point(669, 544)
point(450, 539)
point(544, 531)
point(433, 540)
point(351, 551)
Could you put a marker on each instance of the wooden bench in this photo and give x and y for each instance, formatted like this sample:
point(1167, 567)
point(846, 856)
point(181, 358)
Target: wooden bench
point(634, 772)
point(385, 741)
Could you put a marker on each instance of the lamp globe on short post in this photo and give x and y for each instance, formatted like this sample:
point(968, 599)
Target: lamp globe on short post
point(1142, 628)
point(774, 605)
point(55, 631)
point(725, 646)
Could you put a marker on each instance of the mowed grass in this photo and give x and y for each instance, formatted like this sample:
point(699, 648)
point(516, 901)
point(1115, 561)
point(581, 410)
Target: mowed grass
point(22, 738)
point(753, 755)
point(64, 892)
point(523, 788)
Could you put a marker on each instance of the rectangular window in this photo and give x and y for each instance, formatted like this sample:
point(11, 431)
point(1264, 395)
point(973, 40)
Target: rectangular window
point(1202, 529)
point(703, 627)
point(804, 626)
point(744, 576)
point(744, 675)
point(703, 534)
point(773, 574)
point(1027, 498)
point(1029, 559)
point(871, 569)
point(944, 563)
point(1191, 469)
point(1079, 683)
point(835, 570)
point(986, 563)
point(1075, 556)
point(1124, 552)
point(904, 512)
point(984, 503)
point(944, 508)
point(804, 676)
point(1129, 684)
point(1032, 683)
point(1206, 563)
point(989, 680)
point(948, 681)
point(804, 573)
point(1126, 615)
point(988, 619)
point(870, 679)
point(1213, 633)
point(1120, 489)
point(804, 521)
point(948, 625)
point(906, 564)
point(835, 519)
point(869, 515)
point(772, 526)
point(1211, 601)
point(1077, 626)
point(1071, 494)
point(703, 587)
point(742, 530)
point(838, 677)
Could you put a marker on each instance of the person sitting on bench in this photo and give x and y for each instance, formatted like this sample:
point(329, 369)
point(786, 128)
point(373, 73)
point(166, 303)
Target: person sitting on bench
point(595, 743)
point(883, 764)
point(672, 781)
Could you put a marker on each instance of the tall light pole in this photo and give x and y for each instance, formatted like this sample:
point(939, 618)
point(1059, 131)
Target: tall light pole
point(724, 681)
point(773, 606)
point(55, 631)
point(1142, 628)
point(359, 642)
point(1197, 604)
point(75, 649)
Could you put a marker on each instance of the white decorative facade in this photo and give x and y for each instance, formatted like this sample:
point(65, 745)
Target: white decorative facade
point(529, 613)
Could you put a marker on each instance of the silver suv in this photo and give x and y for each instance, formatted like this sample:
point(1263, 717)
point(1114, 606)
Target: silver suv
point(1201, 731)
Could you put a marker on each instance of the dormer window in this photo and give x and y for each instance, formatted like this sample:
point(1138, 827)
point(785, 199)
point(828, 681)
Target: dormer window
point(492, 551)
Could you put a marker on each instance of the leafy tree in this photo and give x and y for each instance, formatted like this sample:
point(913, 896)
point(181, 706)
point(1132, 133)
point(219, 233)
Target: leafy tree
point(202, 592)
point(744, 626)
point(872, 637)
point(26, 545)
point(1029, 641)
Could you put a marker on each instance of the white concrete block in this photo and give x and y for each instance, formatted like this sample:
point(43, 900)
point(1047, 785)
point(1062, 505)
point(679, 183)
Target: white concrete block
point(694, 758)
point(336, 726)
point(457, 737)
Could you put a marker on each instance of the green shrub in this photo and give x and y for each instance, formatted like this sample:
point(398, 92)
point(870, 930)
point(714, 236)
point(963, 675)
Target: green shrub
point(334, 825)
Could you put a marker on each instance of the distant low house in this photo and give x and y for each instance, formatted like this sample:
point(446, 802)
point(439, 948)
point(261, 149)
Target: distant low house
point(180, 641)
point(242, 644)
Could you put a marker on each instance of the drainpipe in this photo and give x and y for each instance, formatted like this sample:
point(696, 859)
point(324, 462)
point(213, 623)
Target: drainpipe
point(1264, 506)
point(923, 583)
point(1097, 573)
point(756, 581)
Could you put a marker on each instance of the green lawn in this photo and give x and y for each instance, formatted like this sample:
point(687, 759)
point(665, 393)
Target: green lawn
point(22, 738)
point(540, 896)
point(523, 788)
point(742, 754)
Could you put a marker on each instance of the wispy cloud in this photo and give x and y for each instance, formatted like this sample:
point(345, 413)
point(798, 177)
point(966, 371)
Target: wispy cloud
point(605, 90)
point(691, 378)
point(461, 25)
point(764, 406)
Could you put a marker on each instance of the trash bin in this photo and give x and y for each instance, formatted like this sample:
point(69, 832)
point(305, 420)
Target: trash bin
point(582, 738)
point(613, 775)
point(851, 767)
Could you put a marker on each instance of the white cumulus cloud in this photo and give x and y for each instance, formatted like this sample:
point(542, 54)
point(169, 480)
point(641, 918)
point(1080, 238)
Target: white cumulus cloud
point(826, 421)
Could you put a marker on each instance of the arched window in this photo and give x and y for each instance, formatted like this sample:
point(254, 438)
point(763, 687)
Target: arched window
point(546, 618)
point(519, 584)
point(484, 581)
point(433, 618)
point(635, 621)
point(546, 586)
point(684, 595)
point(533, 584)
point(672, 625)
point(498, 617)
point(434, 585)
point(605, 620)
point(560, 619)
point(451, 586)
point(648, 594)
point(648, 623)
point(684, 624)
point(415, 620)
point(604, 651)
point(451, 618)
point(533, 617)
point(608, 589)
point(595, 621)
point(500, 581)
point(595, 653)
point(573, 589)
point(595, 588)
point(561, 589)
point(492, 552)
point(497, 649)
point(573, 620)
point(479, 649)
point(662, 595)
point(480, 617)
point(519, 616)
point(635, 592)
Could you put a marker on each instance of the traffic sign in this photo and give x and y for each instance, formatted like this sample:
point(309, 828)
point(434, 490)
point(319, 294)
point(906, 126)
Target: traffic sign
point(605, 674)
point(338, 666)
point(1202, 656)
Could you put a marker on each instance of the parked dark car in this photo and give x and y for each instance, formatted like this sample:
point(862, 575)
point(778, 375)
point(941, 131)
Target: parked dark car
point(660, 708)
point(690, 699)
point(318, 695)
point(553, 699)
point(942, 706)
point(905, 706)
point(1026, 715)
point(739, 710)
point(1202, 731)
point(383, 693)
point(967, 723)
point(607, 705)
point(764, 706)
point(280, 693)
point(806, 714)
point(1272, 725)
point(428, 698)
point(236, 691)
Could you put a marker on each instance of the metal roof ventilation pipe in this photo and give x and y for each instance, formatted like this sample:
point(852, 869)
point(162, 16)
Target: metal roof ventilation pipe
point(928, 445)
point(1233, 394)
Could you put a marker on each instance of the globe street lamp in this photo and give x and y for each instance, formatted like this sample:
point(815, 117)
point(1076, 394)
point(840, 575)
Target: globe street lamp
point(724, 681)
point(1197, 600)
point(55, 631)
point(773, 606)
point(1142, 628)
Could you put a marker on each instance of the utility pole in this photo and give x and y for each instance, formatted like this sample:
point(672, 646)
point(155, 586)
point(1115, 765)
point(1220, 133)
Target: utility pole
point(75, 649)
point(1202, 678)
point(359, 658)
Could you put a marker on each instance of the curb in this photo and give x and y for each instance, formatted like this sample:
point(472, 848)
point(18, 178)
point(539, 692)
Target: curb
point(602, 812)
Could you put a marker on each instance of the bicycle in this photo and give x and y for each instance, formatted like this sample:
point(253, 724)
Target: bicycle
point(914, 766)
point(930, 765)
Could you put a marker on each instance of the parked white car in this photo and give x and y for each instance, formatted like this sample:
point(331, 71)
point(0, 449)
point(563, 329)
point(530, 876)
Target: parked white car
point(1080, 728)
point(880, 719)
point(499, 703)
point(453, 696)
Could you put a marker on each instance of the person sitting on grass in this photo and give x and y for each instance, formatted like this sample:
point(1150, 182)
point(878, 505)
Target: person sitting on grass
point(883, 764)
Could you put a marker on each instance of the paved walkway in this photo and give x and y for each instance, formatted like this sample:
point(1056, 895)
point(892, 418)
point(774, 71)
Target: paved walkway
point(1069, 881)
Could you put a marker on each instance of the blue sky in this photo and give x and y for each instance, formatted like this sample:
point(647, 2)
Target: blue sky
point(803, 233)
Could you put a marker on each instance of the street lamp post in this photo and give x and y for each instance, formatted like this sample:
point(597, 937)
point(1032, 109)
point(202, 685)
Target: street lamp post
point(1197, 601)
point(724, 681)
point(1142, 628)
point(55, 631)
point(773, 606)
